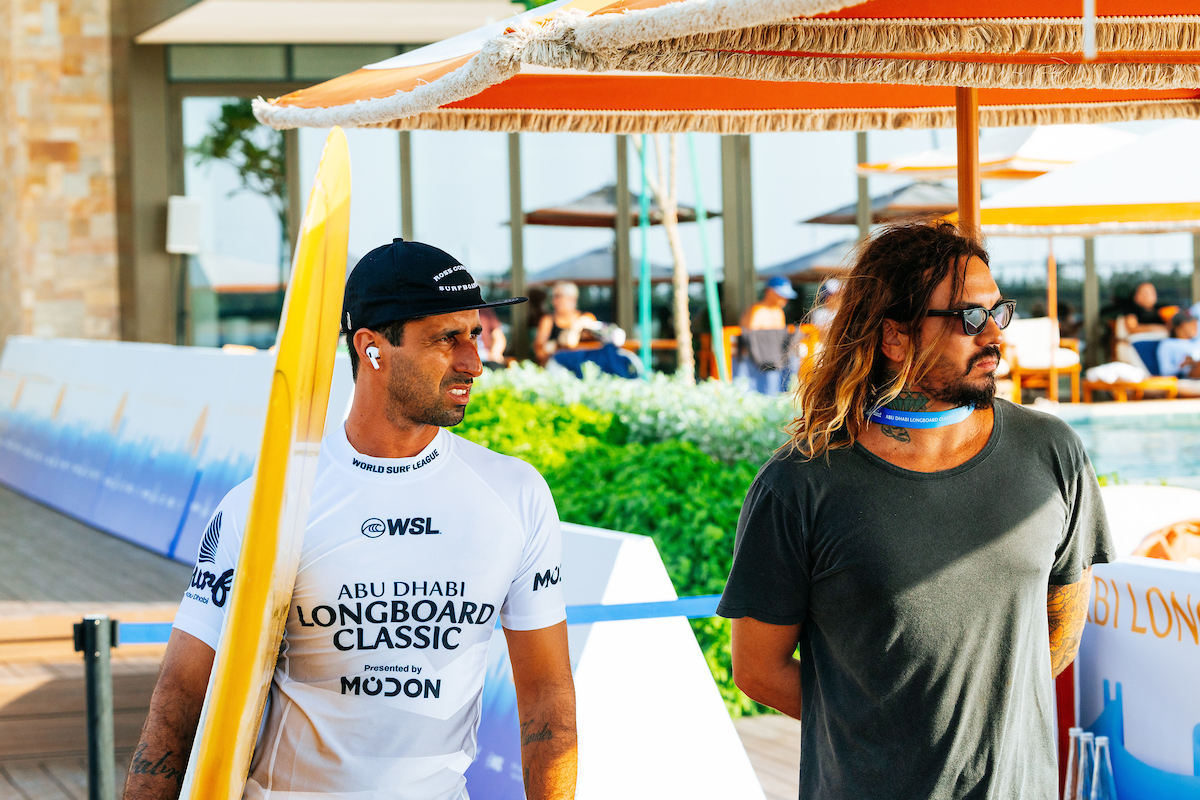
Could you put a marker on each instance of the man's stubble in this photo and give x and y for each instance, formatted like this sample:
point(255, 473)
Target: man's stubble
point(407, 403)
point(946, 385)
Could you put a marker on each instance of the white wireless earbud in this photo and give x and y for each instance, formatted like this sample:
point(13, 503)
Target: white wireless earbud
point(373, 354)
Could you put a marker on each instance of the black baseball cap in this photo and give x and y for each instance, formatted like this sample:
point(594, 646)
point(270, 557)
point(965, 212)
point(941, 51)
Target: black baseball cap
point(407, 280)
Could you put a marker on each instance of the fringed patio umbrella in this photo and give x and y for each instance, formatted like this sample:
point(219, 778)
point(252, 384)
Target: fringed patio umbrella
point(1141, 60)
point(812, 65)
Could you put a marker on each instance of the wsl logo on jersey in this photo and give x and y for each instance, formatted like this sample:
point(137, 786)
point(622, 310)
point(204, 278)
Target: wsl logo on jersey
point(400, 526)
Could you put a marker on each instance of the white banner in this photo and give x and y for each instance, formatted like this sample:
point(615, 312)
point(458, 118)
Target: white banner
point(1139, 675)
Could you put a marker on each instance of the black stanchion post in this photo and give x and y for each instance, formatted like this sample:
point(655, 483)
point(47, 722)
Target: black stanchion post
point(96, 636)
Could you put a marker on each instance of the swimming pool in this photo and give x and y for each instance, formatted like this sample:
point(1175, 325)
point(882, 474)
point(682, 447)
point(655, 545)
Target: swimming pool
point(1147, 442)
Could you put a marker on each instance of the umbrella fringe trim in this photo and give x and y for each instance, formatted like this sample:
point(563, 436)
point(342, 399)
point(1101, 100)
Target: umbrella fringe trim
point(604, 31)
point(1015, 36)
point(770, 20)
point(744, 121)
point(919, 72)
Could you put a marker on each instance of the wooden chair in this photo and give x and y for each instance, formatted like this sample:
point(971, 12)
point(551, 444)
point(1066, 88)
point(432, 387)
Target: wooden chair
point(1032, 347)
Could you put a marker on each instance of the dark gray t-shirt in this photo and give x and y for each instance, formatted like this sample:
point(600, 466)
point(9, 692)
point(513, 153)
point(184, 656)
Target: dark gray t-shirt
point(924, 647)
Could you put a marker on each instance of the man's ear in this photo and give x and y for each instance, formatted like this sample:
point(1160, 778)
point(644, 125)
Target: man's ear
point(895, 341)
point(363, 339)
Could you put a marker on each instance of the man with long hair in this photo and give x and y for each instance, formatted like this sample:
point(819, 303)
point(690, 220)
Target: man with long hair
point(926, 545)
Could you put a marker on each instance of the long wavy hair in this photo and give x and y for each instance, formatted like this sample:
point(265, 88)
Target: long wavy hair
point(894, 276)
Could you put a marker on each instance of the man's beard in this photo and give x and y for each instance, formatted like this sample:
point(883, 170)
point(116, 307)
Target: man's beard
point(411, 404)
point(957, 392)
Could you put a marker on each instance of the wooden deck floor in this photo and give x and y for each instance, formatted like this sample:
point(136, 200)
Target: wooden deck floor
point(773, 744)
point(52, 778)
point(46, 557)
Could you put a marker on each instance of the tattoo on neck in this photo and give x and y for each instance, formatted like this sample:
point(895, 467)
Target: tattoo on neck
point(145, 765)
point(529, 735)
point(892, 432)
point(909, 401)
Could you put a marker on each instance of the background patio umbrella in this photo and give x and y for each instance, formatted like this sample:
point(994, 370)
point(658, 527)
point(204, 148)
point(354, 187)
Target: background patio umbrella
point(593, 268)
point(817, 266)
point(1013, 155)
point(1151, 185)
point(913, 200)
point(598, 209)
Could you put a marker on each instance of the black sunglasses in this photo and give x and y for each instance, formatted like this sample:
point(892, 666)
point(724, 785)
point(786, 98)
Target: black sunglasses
point(974, 319)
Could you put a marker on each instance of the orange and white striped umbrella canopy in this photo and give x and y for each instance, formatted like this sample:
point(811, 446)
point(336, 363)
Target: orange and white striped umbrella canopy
point(741, 66)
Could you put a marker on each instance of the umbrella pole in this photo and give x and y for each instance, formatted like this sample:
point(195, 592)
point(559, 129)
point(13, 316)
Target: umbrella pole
point(966, 115)
point(710, 277)
point(644, 282)
point(1052, 312)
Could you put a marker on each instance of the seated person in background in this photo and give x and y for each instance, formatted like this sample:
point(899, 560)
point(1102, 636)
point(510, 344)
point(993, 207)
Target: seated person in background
point(1141, 311)
point(563, 327)
point(767, 314)
point(491, 341)
point(1180, 355)
point(761, 350)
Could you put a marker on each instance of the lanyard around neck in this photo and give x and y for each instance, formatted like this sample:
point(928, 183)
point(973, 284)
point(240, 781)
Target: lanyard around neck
point(920, 419)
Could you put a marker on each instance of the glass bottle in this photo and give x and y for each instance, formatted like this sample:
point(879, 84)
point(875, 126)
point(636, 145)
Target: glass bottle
point(1083, 784)
point(1072, 763)
point(1103, 785)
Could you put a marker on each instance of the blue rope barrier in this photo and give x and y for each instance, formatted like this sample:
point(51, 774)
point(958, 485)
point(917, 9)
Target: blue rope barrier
point(691, 607)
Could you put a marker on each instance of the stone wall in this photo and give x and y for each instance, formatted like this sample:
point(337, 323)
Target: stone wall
point(58, 246)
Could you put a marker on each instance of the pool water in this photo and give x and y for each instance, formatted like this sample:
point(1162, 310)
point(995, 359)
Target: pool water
point(1152, 442)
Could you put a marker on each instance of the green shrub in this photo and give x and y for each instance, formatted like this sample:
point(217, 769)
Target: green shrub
point(726, 421)
point(685, 499)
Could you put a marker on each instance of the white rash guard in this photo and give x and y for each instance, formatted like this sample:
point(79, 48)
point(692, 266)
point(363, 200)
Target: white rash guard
point(406, 565)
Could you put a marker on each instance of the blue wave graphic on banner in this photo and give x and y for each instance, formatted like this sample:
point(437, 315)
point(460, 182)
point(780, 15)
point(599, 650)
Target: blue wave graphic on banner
point(158, 498)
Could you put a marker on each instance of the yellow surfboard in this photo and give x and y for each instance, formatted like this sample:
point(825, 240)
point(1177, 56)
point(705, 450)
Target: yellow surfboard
point(266, 570)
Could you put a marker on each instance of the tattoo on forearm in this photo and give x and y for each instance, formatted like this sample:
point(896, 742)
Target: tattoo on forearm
point(892, 432)
point(147, 765)
point(1066, 611)
point(529, 735)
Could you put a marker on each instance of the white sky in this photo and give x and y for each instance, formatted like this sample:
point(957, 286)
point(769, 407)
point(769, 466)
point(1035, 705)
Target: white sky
point(461, 191)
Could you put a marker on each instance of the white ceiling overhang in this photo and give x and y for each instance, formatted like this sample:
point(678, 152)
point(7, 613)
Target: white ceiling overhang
point(326, 21)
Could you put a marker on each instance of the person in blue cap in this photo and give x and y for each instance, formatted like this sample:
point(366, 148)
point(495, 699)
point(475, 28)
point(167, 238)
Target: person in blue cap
point(762, 358)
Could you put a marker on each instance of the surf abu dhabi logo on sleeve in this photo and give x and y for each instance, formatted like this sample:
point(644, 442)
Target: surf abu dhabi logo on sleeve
point(203, 580)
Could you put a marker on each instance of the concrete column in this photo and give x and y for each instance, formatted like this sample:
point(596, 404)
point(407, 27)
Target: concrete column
point(740, 278)
point(519, 335)
point(1091, 306)
point(406, 187)
point(863, 208)
point(1195, 267)
point(623, 275)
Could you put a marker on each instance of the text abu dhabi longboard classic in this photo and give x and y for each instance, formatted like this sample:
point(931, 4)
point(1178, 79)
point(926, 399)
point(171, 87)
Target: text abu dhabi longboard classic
point(287, 462)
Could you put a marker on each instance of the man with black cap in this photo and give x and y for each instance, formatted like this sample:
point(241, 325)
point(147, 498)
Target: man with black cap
point(417, 541)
